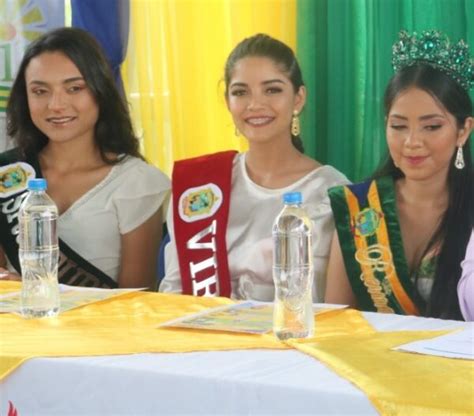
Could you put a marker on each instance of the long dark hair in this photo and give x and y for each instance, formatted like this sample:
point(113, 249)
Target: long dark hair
point(456, 224)
point(113, 130)
point(267, 47)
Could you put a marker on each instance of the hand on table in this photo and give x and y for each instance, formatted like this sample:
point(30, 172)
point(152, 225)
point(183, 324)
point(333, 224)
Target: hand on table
point(8, 275)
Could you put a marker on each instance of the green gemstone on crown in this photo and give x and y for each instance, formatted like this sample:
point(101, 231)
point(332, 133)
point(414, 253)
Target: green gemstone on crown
point(433, 47)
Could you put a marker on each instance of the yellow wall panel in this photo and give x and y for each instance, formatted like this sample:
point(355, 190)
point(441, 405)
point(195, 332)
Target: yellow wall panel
point(174, 67)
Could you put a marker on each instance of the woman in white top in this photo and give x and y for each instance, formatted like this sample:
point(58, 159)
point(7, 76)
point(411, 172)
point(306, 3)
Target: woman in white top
point(72, 127)
point(264, 93)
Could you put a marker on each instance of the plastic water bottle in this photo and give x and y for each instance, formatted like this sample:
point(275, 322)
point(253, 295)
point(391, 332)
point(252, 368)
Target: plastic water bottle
point(39, 253)
point(293, 270)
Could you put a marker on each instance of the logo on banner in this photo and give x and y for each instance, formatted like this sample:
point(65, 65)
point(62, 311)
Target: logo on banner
point(200, 202)
point(14, 178)
point(366, 222)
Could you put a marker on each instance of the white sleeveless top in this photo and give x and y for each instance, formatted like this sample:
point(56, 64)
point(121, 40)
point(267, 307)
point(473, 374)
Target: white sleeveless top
point(128, 196)
point(253, 209)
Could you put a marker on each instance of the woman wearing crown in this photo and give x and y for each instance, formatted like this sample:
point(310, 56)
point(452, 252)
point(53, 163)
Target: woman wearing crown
point(401, 236)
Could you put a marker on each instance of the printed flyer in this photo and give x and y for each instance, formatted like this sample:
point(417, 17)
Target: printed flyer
point(248, 317)
point(71, 297)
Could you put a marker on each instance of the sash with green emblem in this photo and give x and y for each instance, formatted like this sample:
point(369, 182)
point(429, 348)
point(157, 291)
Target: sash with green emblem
point(14, 174)
point(370, 239)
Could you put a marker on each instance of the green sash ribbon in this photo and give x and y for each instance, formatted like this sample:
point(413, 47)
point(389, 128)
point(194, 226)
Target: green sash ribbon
point(372, 248)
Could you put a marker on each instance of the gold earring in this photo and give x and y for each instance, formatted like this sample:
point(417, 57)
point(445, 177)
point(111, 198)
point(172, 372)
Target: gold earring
point(236, 131)
point(295, 124)
point(459, 162)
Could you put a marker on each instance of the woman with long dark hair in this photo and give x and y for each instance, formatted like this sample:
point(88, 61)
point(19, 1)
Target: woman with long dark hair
point(224, 204)
point(72, 127)
point(403, 234)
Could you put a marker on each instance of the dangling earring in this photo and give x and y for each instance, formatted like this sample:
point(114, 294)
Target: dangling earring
point(236, 131)
point(295, 124)
point(459, 162)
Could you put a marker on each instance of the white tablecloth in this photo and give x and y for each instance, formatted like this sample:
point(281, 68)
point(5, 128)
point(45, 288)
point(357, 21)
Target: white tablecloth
point(224, 383)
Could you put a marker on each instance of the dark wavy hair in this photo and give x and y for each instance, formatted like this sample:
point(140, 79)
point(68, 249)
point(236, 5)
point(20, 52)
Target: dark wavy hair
point(456, 224)
point(267, 47)
point(113, 130)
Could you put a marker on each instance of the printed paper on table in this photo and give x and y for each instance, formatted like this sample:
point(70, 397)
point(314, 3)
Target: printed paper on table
point(248, 317)
point(70, 296)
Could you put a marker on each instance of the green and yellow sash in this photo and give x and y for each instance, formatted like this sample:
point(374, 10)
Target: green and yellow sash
point(370, 238)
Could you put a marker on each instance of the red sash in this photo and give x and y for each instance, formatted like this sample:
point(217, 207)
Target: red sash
point(201, 199)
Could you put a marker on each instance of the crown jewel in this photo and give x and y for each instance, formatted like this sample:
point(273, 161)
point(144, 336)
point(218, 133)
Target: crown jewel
point(435, 49)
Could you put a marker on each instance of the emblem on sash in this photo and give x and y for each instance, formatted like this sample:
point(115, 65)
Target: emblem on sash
point(200, 202)
point(366, 222)
point(373, 256)
point(14, 178)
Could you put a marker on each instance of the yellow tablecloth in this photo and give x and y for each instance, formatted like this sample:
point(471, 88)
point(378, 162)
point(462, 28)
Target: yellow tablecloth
point(127, 324)
point(121, 325)
point(396, 382)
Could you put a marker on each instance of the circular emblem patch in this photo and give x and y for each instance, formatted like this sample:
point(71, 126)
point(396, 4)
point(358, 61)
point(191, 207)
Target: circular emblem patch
point(14, 178)
point(200, 202)
point(366, 222)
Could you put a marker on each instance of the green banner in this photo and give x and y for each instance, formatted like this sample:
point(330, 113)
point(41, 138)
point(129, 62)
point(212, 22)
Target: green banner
point(344, 47)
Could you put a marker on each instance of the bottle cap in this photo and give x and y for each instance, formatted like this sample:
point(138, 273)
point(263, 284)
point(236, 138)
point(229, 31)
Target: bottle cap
point(292, 198)
point(38, 184)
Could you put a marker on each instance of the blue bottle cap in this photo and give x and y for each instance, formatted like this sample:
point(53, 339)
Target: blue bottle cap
point(38, 184)
point(292, 198)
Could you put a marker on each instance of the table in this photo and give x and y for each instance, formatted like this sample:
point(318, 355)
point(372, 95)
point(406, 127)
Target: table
point(223, 382)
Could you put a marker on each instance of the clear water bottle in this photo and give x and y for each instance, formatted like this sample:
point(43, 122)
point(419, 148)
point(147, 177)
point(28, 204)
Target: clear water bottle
point(39, 253)
point(293, 270)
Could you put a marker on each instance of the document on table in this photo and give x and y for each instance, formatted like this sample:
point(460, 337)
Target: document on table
point(459, 344)
point(70, 297)
point(249, 317)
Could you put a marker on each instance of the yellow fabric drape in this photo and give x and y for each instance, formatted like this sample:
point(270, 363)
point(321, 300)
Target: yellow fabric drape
point(122, 325)
point(9, 286)
point(398, 383)
point(128, 324)
point(175, 61)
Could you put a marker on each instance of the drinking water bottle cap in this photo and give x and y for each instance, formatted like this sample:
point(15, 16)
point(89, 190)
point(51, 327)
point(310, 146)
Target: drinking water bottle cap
point(292, 198)
point(38, 184)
